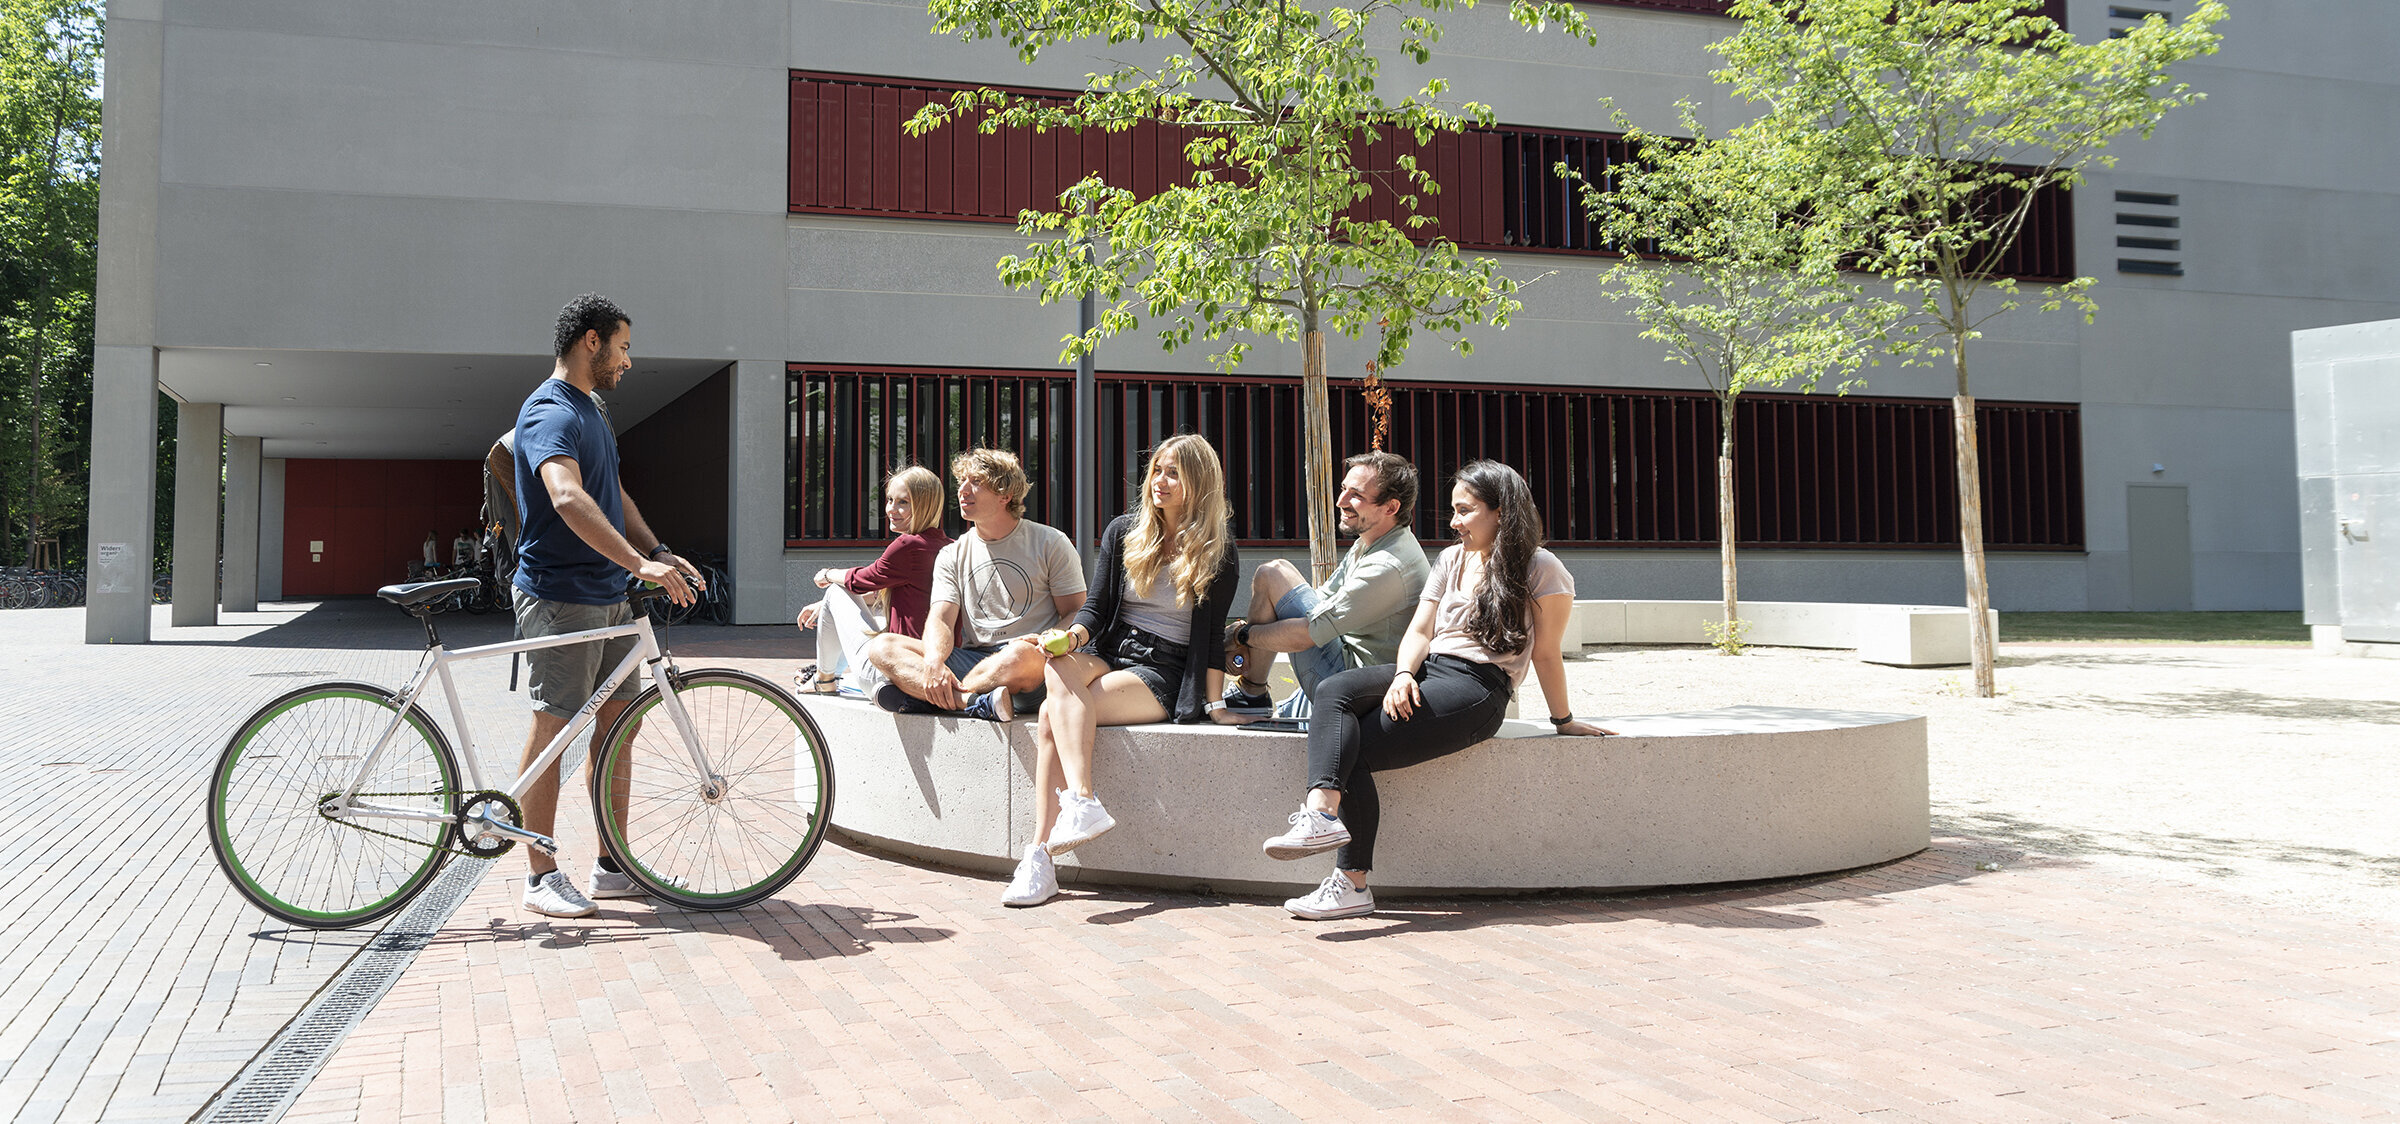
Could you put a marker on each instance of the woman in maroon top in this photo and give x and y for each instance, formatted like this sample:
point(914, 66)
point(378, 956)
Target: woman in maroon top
point(912, 506)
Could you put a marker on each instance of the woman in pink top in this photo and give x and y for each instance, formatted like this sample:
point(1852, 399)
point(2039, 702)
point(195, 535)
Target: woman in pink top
point(1495, 604)
point(912, 507)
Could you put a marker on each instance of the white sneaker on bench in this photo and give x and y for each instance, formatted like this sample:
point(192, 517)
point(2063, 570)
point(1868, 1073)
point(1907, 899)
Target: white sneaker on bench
point(1312, 832)
point(1332, 899)
point(1081, 819)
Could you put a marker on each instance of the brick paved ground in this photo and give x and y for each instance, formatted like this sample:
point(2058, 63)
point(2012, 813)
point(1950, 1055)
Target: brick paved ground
point(2194, 914)
point(1925, 990)
point(133, 981)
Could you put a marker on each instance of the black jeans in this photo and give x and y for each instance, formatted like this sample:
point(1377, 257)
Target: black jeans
point(1350, 739)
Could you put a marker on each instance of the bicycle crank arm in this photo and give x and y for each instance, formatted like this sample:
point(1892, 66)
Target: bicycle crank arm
point(501, 827)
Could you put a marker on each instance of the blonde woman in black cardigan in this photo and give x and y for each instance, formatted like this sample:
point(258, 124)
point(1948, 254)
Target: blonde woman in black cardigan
point(1143, 649)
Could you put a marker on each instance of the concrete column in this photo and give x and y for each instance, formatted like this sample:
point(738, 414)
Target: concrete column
point(199, 480)
point(241, 524)
point(270, 529)
point(123, 495)
point(755, 524)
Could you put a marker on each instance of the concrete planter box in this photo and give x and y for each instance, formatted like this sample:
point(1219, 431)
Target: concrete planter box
point(1901, 635)
point(1719, 796)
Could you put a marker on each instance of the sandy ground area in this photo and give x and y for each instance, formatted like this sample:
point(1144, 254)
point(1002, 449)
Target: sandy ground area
point(2271, 772)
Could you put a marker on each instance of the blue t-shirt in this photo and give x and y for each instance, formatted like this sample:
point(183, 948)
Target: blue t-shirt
point(553, 562)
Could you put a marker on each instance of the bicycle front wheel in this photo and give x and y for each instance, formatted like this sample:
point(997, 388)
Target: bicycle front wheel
point(735, 831)
point(267, 801)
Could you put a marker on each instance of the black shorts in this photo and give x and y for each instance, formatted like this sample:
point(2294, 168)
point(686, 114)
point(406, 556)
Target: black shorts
point(1155, 660)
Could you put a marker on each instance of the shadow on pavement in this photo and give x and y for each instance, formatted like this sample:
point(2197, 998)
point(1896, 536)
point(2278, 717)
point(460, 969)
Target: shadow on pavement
point(795, 931)
point(2233, 701)
point(2208, 853)
point(361, 623)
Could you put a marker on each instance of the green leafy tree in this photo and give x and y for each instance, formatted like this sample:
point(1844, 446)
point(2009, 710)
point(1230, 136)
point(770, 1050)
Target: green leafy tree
point(50, 56)
point(1279, 98)
point(1942, 119)
point(1732, 259)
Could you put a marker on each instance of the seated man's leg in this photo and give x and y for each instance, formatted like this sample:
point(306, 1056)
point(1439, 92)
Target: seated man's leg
point(1310, 666)
point(901, 659)
point(1271, 587)
point(1017, 667)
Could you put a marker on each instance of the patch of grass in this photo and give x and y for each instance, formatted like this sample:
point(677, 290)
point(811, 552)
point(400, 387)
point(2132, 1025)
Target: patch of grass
point(2155, 628)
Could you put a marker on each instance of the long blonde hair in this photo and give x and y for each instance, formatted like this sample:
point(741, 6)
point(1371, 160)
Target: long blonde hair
point(1200, 543)
point(924, 497)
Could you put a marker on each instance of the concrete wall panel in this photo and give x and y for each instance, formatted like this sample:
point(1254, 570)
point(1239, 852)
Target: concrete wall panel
point(388, 117)
point(310, 270)
point(741, 32)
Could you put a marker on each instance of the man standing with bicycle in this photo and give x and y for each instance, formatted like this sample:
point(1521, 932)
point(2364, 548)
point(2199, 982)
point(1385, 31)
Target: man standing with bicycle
point(581, 536)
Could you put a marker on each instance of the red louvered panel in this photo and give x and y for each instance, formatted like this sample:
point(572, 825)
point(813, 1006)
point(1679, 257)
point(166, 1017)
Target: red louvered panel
point(886, 185)
point(804, 156)
point(991, 153)
point(1041, 170)
point(912, 165)
point(1447, 209)
point(1019, 196)
point(858, 142)
point(832, 147)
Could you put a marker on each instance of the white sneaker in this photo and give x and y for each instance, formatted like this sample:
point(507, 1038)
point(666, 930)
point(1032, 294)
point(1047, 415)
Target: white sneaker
point(608, 883)
point(1312, 832)
point(1334, 898)
point(1036, 881)
point(554, 896)
point(1081, 819)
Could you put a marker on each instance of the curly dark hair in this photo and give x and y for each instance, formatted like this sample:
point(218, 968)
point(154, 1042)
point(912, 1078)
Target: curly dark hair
point(1502, 620)
point(590, 312)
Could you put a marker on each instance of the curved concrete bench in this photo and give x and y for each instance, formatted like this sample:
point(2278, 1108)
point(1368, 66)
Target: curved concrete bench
point(1900, 635)
point(1716, 796)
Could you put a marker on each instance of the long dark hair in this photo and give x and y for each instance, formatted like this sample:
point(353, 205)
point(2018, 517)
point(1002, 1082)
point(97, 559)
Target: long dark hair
point(1502, 620)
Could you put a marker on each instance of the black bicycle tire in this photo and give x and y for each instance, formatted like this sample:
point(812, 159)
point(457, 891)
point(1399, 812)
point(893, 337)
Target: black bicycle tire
point(238, 872)
point(635, 858)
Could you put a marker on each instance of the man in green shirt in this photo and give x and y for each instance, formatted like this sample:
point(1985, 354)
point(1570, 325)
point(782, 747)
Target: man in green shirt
point(1357, 617)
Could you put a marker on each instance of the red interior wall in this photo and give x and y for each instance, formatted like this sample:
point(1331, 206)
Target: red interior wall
point(372, 517)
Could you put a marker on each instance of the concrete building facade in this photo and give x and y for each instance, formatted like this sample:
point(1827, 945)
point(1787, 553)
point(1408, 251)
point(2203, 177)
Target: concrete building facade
point(340, 230)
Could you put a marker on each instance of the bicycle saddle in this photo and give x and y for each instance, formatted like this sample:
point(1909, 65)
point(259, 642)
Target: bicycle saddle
point(413, 594)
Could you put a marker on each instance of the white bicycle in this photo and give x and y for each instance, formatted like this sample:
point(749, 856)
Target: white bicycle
point(336, 804)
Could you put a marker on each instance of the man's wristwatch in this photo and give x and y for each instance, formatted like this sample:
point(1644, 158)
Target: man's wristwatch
point(1241, 635)
point(658, 550)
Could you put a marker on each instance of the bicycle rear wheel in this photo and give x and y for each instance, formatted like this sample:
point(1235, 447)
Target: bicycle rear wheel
point(736, 835)
point(311, 869)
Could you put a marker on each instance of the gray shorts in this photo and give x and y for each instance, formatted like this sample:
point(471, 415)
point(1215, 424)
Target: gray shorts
point(562, 679)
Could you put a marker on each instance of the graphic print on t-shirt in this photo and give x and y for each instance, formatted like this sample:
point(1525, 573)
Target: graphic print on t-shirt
point(999, 591)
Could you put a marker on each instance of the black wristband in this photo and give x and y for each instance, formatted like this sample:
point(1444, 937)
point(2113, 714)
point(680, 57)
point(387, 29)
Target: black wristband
point(1561, 723)
point(1241, 635)
point(658, 550)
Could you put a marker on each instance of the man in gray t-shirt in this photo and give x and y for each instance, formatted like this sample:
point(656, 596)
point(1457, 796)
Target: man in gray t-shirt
point(1357, 617)
point(994, 587)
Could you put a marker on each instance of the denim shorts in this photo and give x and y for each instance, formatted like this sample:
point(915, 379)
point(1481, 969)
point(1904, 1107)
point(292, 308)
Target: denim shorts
point(963, 660)
point(561, 679)
point(1310, 665)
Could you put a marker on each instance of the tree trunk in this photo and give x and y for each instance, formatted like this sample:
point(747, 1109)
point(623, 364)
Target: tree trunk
point(1970, 535)
point(1316, 450)
point(1725, 511)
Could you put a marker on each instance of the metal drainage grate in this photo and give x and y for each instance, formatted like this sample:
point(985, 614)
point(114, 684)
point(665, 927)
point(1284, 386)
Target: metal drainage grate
point(266, 1088)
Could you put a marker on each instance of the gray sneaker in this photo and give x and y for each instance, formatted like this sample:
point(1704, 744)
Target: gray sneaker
point(608, 883)
point(1334, 898)
point(554, 896)
point(1312, 831)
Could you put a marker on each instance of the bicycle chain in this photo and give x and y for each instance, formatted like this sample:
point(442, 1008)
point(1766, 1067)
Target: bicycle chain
point(448, 832)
